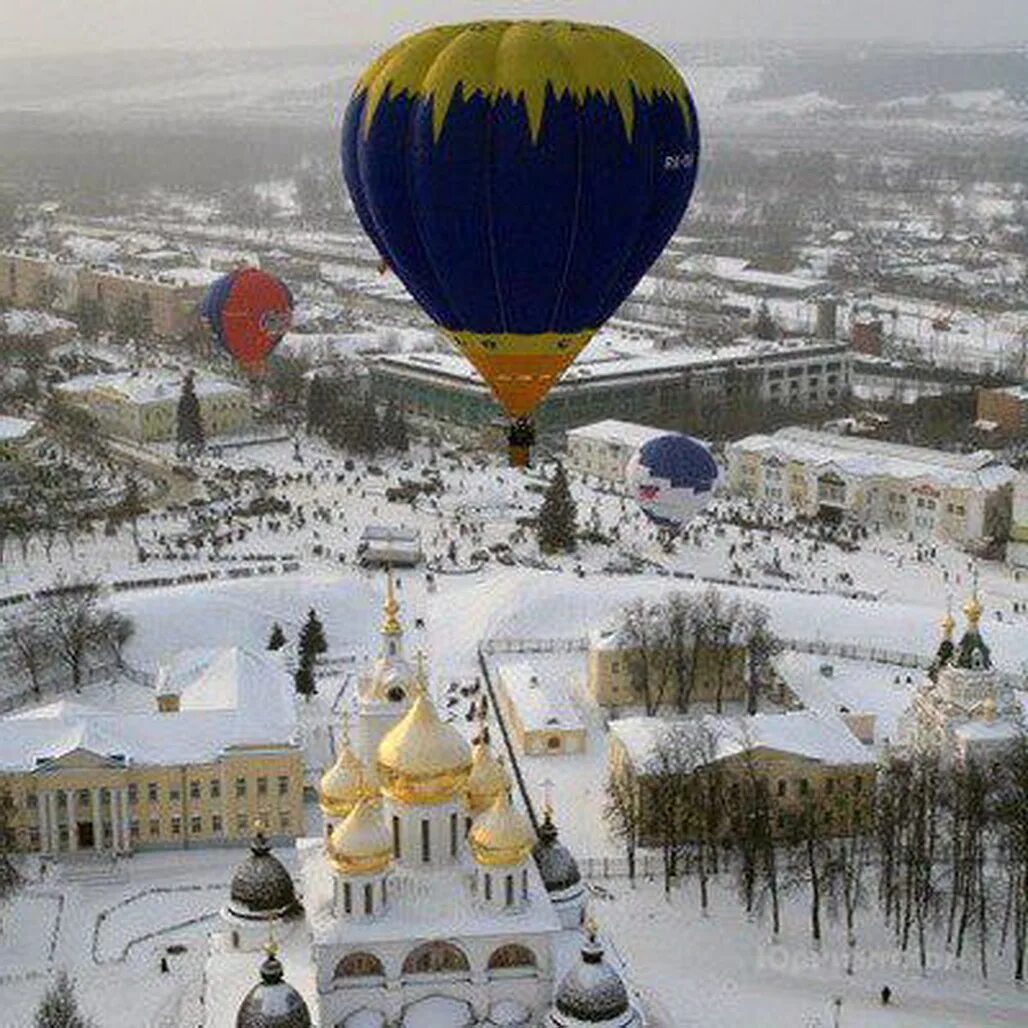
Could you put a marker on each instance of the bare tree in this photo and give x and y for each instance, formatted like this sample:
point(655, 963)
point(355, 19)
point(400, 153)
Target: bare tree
point(29, 644)
point(621, 811)
point(642, 639)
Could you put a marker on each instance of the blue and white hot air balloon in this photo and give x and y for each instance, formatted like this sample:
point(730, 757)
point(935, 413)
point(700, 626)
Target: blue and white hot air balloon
point(673, 478)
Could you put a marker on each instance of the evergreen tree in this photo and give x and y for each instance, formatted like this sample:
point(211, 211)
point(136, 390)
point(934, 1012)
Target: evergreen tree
point(189, 434)
point(394, 428)
point(59, 1008)
point(555, 526)
point(277, 639)
point(369, 433)
point(303, 679)
point(764, 326)
point(316, 405)
point(312, 638)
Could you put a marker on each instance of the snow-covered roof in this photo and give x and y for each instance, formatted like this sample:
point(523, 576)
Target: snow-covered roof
point(541, 705)
point(148, 386)
point(188, 276)
point(863, 457)
point(237, 698)
point(669, 362)
point(14, 428)
point(33, 323)
point(618, 433)
point(805, 733)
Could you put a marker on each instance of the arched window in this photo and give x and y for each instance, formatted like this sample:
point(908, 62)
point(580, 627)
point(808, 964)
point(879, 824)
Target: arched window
point(435, 958)
point(511, 955)
point(360, 965)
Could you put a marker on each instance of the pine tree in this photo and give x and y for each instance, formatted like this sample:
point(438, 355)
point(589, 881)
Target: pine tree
point(394, 428)
point(312, 638)
point(764, 327)
point(555, 526)
point(370, 431)
point(59, 1008)
point(303, 679)
point(277, 639)
point(190, 424)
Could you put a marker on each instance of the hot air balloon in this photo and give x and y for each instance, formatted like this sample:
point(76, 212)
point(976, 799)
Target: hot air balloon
point(673, 478)
point(248, 312)
point(520, 178)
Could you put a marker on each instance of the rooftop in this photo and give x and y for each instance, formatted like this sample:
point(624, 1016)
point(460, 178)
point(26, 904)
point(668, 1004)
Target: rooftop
point(149, 386)
point(611, 430)
point(14, 428)
point(804, 733)
point(859, 455)
point(541, 705)
point(236, 698)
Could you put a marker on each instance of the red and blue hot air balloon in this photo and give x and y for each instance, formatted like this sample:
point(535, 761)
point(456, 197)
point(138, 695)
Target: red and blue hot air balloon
point(520, 178)
point(248, 311)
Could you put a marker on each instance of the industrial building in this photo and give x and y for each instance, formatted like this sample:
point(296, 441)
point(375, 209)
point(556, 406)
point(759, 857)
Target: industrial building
point(652, 387)
point(963, 497)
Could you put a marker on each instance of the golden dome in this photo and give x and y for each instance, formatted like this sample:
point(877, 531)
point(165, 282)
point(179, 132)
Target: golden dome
point(421, 759)
point(361, 845)
point(487, 780)
point(344, 783)
point(947, 624)
point(501, 837)
point(973, 610)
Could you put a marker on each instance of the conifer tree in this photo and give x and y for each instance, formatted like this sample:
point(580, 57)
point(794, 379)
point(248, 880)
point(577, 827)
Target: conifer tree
point(59, 1008)
point(303, 679)
point(555, 526)
point(312, 638)
point(277, 639)
point(189, 434)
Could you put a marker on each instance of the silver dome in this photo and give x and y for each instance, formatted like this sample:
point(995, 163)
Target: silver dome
point(261, 887)
point(272, 1002)
point(557, 867)
point(592, 991)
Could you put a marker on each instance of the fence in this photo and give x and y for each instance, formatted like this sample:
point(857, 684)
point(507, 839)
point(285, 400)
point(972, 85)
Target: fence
point(858, 651)
point(509, 645)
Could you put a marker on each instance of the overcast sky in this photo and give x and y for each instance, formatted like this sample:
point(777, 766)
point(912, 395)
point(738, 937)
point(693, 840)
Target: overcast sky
point(41, 26)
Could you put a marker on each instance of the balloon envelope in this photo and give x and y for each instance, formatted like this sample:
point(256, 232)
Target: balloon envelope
point(520, 178)
point(672, 478)
point(248, 312)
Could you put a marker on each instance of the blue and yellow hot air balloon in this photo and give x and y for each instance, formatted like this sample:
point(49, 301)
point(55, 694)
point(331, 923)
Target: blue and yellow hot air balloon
point(520, 177)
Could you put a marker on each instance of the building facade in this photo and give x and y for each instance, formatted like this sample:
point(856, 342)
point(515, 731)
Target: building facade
point(794, 759)
point(655, 388)
point(604, 448)
point(143, 405)
point(612, 673)
point(963, 497)
point(218, 752)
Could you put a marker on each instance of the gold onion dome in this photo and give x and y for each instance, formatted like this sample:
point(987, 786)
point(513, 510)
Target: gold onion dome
point(421, 759)
point(502, 836)
point(487, 780)
point(947, 624)
point(390, 609)
point(973, 610)
point(361, 844)
point(344, 783)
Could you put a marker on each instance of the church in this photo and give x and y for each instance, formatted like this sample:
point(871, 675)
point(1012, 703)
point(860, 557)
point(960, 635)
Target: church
point(429, 901)
point(965, 709)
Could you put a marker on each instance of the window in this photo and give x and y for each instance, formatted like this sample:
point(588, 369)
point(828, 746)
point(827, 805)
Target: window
point(781, 786)
point(426, 841)
point(435, 958)
point(553, 742)
point(194, 790)
point(34, 838)
point(511, 955)
point(133, 794)
point(242, 823)
point(196, 825)
point(262, 786)
point(524, 884)
point(155, 828)
point(283, 820)
point(215, 789)
point(453, 835)
point(283, 785)
point(347, 898)
point(174, 795)
point(829, 786)
point(83, 795)
point(804, 786)
point(508, 893)
point(858, 784)
point(396, 836)
point(216, 824)
point(360, 965)
point(240, 787)
point(488, 887)
point(369, 899)
point(176, 826)
point(31, 801)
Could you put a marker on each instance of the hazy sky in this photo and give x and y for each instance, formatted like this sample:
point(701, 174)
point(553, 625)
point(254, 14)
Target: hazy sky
point(38, 26)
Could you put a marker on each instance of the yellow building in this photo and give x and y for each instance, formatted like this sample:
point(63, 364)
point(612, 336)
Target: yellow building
point(541, 715)
point(218, 752)
point(611, 673)
point(143, 405)
point(797, 758)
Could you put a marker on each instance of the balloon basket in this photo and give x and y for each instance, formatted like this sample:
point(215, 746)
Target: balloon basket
point(520, 440)
point(519, 456)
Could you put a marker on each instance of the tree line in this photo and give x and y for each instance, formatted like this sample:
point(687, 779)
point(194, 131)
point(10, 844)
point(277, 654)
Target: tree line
point(936, 850)
point(340, 414)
